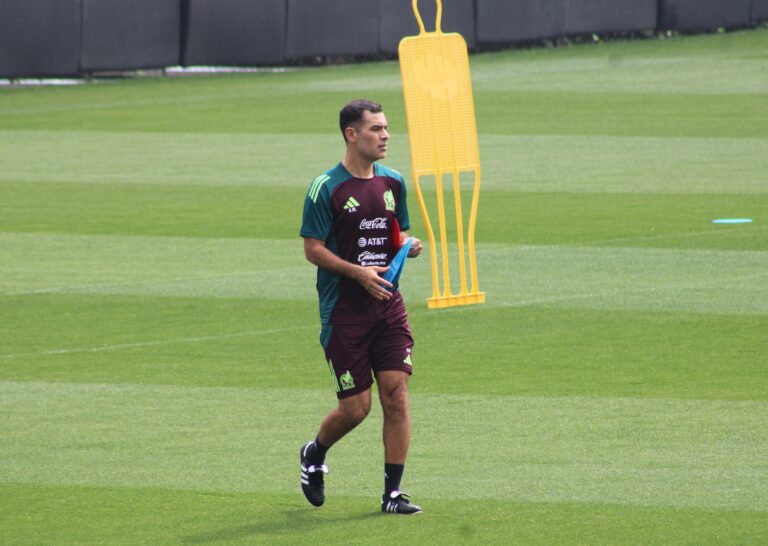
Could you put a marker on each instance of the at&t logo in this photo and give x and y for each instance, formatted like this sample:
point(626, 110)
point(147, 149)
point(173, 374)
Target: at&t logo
point(363, 242)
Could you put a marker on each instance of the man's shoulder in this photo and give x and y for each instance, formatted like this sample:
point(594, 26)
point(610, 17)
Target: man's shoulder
point(328, 180)
point(383, 170)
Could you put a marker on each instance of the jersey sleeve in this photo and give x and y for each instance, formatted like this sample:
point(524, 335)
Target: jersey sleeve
point(317, 219)
point(401, 209)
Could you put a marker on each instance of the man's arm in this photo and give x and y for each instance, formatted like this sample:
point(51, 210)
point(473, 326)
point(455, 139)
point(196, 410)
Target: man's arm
point(317, 253)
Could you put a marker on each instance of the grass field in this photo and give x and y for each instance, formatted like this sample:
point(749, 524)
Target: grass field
point(159, 363)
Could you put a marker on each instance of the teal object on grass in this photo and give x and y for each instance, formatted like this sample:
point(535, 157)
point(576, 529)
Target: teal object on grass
point(398, 262)
point(732, 221)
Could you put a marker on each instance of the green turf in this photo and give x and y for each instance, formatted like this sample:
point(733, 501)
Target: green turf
point(159, 364)
point(508, 350)
point(587, 449)
point(658, 220)
point(78, 515)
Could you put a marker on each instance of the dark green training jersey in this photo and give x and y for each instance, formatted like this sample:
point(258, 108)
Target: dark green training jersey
point(354, 217)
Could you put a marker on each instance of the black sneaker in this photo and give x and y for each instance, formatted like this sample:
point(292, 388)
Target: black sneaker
point(312, 479)
point(398, 502)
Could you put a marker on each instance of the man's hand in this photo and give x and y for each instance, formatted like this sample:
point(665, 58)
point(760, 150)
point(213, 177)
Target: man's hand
point(375, 285)
point(416, 247)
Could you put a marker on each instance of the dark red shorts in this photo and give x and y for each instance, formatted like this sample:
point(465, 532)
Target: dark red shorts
point(355, 352)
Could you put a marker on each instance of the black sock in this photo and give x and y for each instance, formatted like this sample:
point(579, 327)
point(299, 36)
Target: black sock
point(316, 452)
point(393, 473)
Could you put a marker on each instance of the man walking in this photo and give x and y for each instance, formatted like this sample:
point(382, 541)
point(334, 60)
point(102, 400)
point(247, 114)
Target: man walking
point(352, 222)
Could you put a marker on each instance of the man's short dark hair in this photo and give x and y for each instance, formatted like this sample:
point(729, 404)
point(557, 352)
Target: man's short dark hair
point(353, 111)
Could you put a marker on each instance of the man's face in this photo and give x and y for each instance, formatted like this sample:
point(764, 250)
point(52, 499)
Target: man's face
point(370, 137)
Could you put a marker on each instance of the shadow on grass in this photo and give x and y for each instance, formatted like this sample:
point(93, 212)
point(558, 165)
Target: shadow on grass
point(284, 522)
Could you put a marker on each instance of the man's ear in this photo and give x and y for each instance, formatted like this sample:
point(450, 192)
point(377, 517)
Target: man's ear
point(351, 134)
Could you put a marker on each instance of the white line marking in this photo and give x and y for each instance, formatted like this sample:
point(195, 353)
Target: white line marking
point(680, 235)
point(588, 295)
point(157, 342)
point(623, 290)
point(421, 312)
point(80, 288)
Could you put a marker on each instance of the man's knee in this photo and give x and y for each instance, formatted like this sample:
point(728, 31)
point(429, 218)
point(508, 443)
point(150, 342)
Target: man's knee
point(355, 409)
point(394, 396)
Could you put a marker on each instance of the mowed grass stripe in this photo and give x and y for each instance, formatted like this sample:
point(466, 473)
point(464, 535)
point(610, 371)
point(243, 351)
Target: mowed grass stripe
point(612, 72)
point(160, 342)
point(499, 112)
point(156, 266)
point(123, 209)
point(717, 282)
point(530, 351)
point(693, 453)
point(79, 515)
point(537, 218)
point(704, 281)
point(192, 341)
point(601, 164)
point(183, 159)
point(596, 164)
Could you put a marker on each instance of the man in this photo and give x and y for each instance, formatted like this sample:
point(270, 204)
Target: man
point(353, 214)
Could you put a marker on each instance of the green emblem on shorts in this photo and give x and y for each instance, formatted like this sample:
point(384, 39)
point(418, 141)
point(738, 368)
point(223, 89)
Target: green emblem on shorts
point(346, 381)
point(389, 200)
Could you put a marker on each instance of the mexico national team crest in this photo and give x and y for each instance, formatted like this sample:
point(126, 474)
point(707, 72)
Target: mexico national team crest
point(346, 381)
point(389, 200)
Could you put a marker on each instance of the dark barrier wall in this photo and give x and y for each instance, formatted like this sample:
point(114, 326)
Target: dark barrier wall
point(70, 37)
point(519, 20)
point(759, 10)
point(586, 16)
point(500, 21)
point(398, 21)
point(39, 38)
point(234, 32)
point(332, 27)
point(692, 15)
point(123, 34)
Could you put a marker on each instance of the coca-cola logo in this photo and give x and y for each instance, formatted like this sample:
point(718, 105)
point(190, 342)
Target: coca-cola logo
point(376, 223)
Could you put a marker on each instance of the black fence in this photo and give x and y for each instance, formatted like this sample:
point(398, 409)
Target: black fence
point(75, 37)
point(125, 34)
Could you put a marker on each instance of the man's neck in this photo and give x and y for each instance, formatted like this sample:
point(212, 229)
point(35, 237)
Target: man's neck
point(359, 168)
